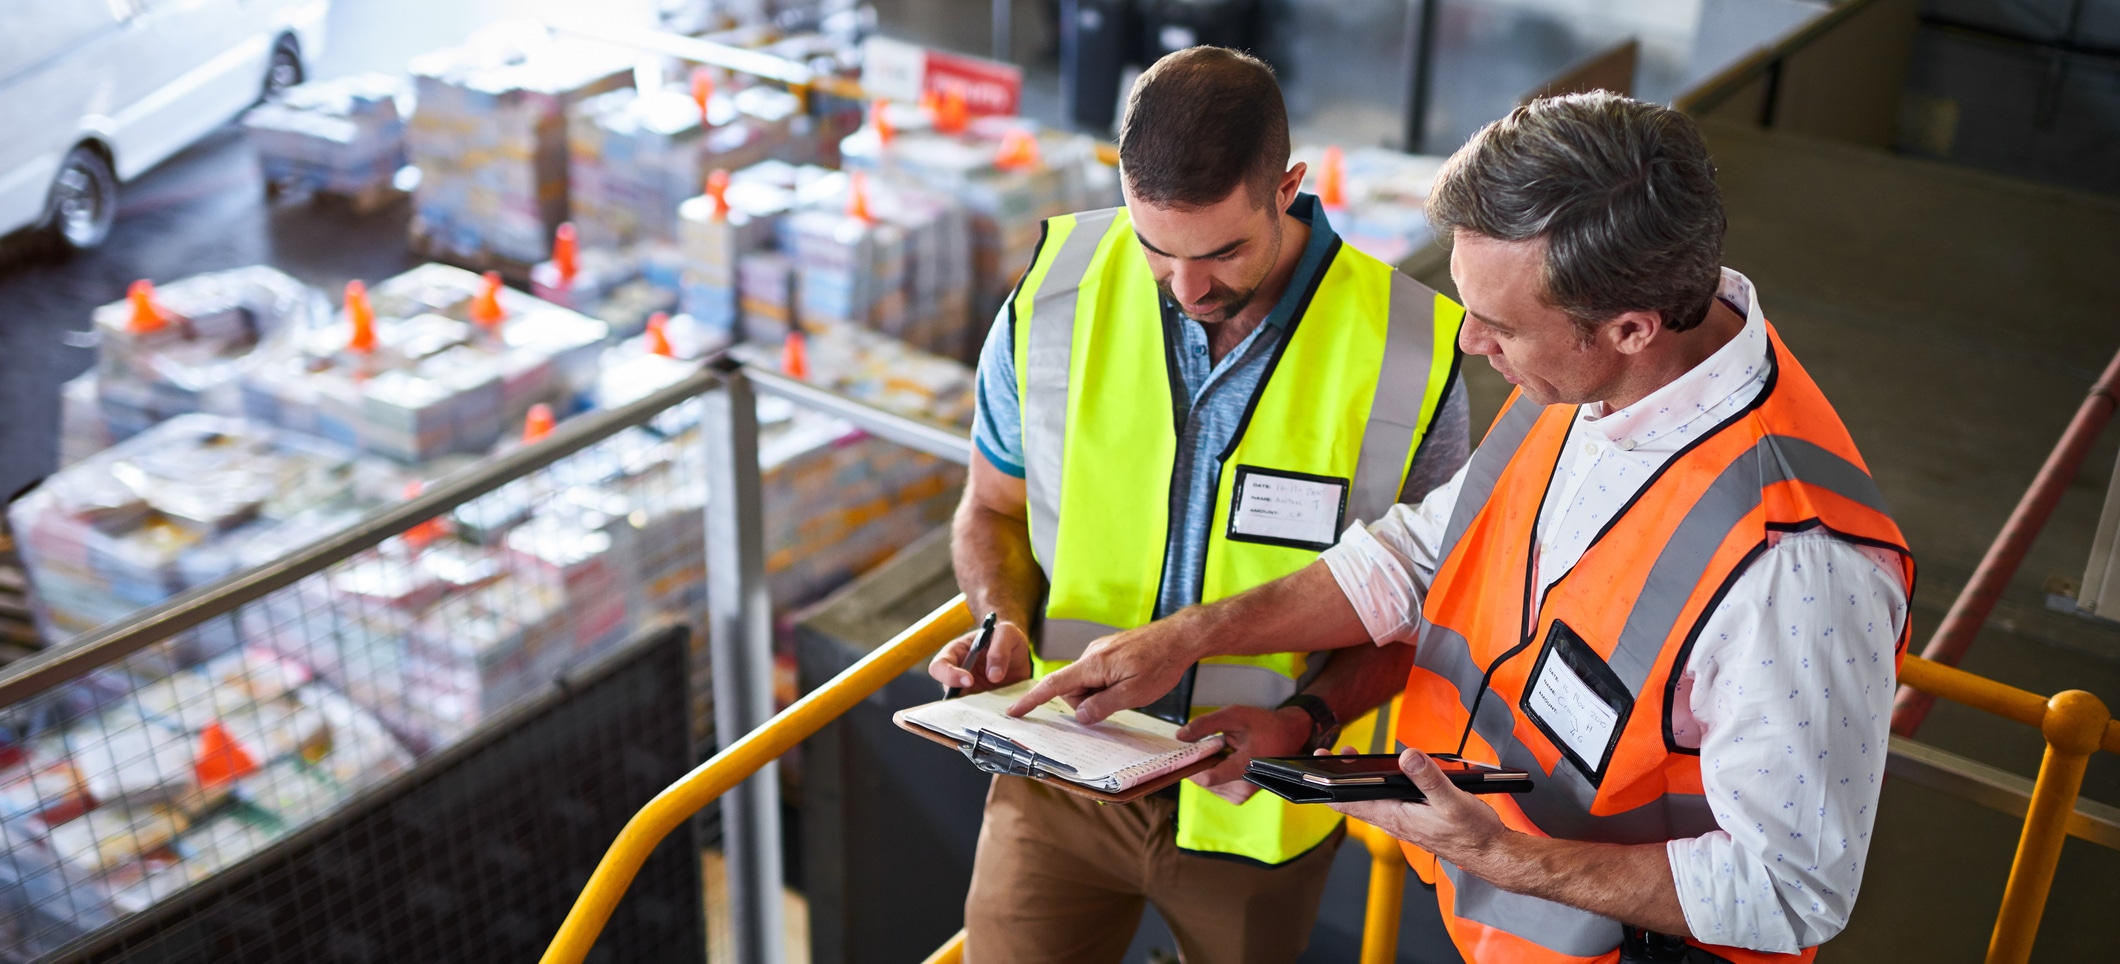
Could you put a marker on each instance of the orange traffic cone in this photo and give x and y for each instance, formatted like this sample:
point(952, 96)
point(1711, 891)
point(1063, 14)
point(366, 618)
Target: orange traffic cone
point(884, 130)
point(795, 356)
point(566, 254)
point(361, 315)
point(658, 335)
point(702, 91)
point(1018, 151)
point(147, 316)
point(538, 423)
point(858, 197)
point(718, 189)
point(221, 759)
point(486, 305)
point(1332, 180)
point(424, 534)
point(952, 114)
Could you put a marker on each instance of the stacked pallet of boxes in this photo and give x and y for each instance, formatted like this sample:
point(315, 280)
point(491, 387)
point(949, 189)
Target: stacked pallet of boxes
point(344, 136)
point(489, 138)
point(405, 372)
point(716, 233)
point(177, 349)
point(836, 501)
point(839, 501)
point(125, 528)
point(1008, 174)
point(119, 792)
point(634, 156)
point(788, 246)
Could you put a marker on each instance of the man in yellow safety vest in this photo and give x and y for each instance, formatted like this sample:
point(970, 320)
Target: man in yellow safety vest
point(1184, 398)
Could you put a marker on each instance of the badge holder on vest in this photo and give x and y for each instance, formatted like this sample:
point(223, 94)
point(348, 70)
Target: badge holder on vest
point(1584, 708)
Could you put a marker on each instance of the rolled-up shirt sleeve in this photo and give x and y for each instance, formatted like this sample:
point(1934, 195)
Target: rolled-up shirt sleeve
point(997, 419)
point(1789, 694)
point(1384, 567)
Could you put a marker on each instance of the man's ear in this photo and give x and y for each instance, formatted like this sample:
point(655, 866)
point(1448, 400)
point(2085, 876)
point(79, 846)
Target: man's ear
point(1291, 182)
point(1633, 331)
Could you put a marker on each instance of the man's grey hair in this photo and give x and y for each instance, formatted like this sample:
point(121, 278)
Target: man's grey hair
point(1622, 191)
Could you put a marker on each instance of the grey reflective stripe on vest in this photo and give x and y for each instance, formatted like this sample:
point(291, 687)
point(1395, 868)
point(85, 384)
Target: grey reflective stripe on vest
point(1217, 684)
point(1395, 412)
point(1045, 375)
point(1485, 468)
point(1556, 927)
point(1684, 561)
point(1560, 803)
point(1239, 684)
point(1068, 638)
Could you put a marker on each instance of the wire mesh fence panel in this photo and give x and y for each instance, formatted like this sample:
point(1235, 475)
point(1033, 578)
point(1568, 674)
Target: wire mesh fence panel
point(145, 778)
point(150, 781)
point(474, 858)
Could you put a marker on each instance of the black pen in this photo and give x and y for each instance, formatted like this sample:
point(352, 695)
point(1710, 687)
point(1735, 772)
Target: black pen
point(971, 659)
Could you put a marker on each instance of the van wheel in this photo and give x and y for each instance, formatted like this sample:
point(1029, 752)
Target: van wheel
point(285, 70)
point(84, 199)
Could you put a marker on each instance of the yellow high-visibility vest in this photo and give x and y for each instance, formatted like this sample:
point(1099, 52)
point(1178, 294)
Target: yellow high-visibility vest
point(1329, 439)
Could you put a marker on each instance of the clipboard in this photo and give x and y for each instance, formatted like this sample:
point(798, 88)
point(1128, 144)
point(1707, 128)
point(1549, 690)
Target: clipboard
point(1007, 758)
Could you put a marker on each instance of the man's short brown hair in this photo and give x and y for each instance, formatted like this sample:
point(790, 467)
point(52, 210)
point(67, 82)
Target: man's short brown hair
point(1200, 122)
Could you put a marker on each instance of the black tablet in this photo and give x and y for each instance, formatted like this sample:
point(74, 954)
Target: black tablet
point(1373, 776)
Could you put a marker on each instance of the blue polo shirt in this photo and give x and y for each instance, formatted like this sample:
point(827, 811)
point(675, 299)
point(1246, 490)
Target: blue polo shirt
point(1216, 395)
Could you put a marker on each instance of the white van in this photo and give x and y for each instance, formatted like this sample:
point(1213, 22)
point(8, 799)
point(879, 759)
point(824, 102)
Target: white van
point(94, 92)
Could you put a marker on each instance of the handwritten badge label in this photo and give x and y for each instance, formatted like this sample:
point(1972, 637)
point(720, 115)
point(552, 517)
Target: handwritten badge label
point(1284, 508)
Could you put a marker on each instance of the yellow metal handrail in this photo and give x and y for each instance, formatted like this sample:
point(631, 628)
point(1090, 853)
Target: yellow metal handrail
point(1387, 890)
point(672, 807)
point(2076, 724)
point(951, 952)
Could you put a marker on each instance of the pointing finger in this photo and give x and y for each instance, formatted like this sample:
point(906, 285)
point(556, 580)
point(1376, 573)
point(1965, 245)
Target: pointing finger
point(1047, 688)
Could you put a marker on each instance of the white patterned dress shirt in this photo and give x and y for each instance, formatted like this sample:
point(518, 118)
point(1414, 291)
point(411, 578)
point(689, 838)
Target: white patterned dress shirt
point(1787, 693)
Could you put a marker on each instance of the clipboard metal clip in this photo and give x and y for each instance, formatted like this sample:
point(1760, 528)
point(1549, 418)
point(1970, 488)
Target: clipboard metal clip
point(997, 754)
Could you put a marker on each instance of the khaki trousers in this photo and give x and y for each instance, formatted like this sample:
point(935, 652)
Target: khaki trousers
point(1062, 879)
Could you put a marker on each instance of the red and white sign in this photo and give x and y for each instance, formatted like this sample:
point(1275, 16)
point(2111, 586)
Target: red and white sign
point(903, 71)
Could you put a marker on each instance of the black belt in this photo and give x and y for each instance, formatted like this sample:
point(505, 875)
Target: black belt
point(1649, 947)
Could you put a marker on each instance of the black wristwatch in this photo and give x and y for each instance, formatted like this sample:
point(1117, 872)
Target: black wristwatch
point(1324, 727)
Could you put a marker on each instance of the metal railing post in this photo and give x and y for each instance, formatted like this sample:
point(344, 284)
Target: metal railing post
point(1003, 34)
point(1969, 612)
point(1387, 893)
point(740, 644)
point(2074, 728)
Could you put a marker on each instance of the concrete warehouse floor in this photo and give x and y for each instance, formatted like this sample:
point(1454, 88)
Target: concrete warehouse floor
point(1956, 319)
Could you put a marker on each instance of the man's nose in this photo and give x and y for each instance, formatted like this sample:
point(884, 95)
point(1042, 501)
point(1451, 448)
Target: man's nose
point(1475, 338)
point(1191, 282)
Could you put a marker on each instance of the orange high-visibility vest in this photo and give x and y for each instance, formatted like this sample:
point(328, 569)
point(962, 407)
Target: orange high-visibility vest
point(1639, 595)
